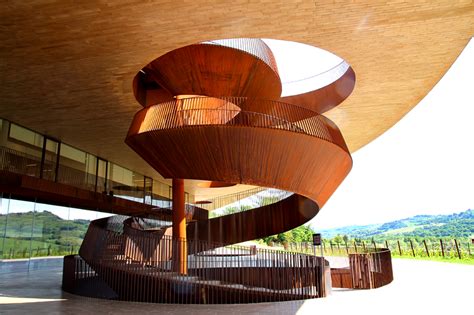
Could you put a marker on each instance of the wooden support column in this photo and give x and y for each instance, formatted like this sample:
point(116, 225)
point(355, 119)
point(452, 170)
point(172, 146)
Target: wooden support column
point(180, 249)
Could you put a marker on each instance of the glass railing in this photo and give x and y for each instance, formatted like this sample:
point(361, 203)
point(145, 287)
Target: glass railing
point(33, 229)
point(26, 152)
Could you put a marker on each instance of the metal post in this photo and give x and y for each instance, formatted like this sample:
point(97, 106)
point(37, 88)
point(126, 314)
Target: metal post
point(457, 248)
point(43, 156)
point(96, 173)
point(179, 228)
point(58, 155)
point(412, 249)
point(426, 247)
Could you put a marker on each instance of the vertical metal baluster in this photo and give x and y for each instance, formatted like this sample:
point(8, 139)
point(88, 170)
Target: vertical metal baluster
point(178, 280)
point(129, 278)
point(269, 272)
point(136, 269)
point(288, 274)
point(154, 248)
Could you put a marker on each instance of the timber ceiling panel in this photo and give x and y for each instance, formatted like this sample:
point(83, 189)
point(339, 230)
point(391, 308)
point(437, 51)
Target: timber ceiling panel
point(67, 69)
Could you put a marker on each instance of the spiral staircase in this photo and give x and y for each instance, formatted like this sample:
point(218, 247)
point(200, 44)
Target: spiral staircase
point(213, 111)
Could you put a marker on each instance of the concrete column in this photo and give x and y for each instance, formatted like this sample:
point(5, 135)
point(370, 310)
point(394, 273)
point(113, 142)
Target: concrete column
point(180, 249)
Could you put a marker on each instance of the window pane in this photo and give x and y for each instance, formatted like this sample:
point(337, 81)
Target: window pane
point(77, 168)
point(18, 230)
point(161, 195)
point(20, 150)
point(125, 183)
point(25, 135)
point(73, 153)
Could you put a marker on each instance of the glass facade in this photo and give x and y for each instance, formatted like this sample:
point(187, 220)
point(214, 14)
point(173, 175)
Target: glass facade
point(77, 168)
point(32, 230)
point(20, 150)
point(27, 152)
point(125, 183)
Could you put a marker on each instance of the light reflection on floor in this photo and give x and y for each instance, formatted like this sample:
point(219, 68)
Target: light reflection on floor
point(423, 287)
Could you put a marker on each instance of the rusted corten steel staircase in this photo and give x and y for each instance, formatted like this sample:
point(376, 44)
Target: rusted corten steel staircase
point(134, 263)
point(213, 111)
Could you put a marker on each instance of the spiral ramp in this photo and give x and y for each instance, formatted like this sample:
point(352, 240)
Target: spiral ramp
point(213, 111)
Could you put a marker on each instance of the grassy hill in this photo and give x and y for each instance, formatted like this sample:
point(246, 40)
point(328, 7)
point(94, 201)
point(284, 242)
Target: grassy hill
point(456, 225)
point(49, 234)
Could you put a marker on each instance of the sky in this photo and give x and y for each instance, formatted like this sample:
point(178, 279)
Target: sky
point(422, 165)
point(303, 68)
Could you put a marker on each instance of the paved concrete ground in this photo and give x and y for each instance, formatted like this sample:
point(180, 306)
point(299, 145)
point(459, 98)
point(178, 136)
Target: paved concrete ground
point(422, 287)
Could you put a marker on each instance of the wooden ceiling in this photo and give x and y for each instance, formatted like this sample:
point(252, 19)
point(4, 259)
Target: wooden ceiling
point(67, 69)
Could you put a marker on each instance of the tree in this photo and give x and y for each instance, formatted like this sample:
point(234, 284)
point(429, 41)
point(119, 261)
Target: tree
point(337, 239)
point(229, 210)
point(297, 235)
point(346, 239)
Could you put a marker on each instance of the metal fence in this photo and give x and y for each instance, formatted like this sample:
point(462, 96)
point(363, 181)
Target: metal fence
point(138, 265)
point(447, 248)
point(368, 267)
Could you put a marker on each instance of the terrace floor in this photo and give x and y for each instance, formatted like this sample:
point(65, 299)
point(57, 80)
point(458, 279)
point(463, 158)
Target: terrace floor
point(424, 287)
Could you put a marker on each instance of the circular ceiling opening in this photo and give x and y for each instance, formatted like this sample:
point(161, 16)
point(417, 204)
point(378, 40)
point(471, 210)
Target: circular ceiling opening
point(247, 68)
point(304, 68)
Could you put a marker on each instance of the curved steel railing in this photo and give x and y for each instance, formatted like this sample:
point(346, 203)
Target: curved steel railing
point(271, 114)
point(190, 129)
point(136, 265)
point(253, 46)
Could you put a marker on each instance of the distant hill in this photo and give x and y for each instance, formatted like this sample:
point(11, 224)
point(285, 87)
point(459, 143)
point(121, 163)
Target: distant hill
point(425, 226)
point(47, 227)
